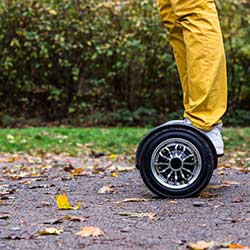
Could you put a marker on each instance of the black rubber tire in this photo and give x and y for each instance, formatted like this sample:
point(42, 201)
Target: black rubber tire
point(208, 160)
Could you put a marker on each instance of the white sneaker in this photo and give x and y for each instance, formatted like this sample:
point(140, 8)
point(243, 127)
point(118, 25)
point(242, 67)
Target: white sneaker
point(214, 135)
point(216, 138)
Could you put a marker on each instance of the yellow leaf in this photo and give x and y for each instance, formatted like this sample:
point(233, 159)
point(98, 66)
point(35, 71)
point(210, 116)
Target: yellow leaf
point(114, 174)
point(50, 231)
point(112, 156)
point(200, 245)
point(90, 231)
point(63, 203)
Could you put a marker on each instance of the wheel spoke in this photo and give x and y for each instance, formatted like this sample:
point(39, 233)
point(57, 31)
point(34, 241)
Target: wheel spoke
point(169, 152)
point(163, 170)
point(191, 155)
point(183, 176)
point(175, 177)
point(163, 156)
point(169, 175)
point(189, 163)
point(187, 170)
point(183, 150)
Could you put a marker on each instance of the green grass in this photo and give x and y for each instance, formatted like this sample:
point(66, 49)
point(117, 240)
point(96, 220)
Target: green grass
point(107, 140)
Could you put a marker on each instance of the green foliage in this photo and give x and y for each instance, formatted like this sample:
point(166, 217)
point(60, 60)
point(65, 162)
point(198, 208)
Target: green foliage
point(103, 62)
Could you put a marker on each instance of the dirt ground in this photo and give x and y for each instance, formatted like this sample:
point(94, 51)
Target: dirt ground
point(29, 186)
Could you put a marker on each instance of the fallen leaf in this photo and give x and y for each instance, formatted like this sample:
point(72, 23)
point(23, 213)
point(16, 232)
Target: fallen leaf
point(152, 216)
point(206, 195)
point(231, 183)
point(69, 167)
point(112, 157)
point(106, 190)
point(114, 174)
point(44, 204)
point(238, 246)
point(200, 245)
point(118, 169)
point(133, 200)
point(74, 218)
point(238, 200)
point(220, 172)
point(217, 186)
point(50, 231)
point(96, 154)
point(4, 216)
point(13, 158)
point(77, 171)
point(66, 218)
point(90, 231)
point(63, 203)
point(173, 202)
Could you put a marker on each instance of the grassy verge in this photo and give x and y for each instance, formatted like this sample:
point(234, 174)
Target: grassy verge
point(109, 140)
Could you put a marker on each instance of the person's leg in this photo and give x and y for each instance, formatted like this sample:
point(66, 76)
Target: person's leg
point(176, 40)
point(196, 38)
point(205, 61)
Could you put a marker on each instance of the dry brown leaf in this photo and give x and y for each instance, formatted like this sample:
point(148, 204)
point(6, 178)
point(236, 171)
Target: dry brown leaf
point(90, 231)
point(220, 172)
point(200, 245)
point(67, 218)
point(207, 195)
point(217, 186)
point(231, 183)
point(152, 216)
point(50, 231)
point(238, 200)
point(63, 203)
point(106, 190)
point(4, 216)
point(173, 202)
point(132, 200)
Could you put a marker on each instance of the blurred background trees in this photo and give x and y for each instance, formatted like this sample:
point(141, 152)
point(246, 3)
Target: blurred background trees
point(92, 62)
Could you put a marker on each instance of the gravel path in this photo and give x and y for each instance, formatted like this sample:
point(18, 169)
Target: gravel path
point(29, 186)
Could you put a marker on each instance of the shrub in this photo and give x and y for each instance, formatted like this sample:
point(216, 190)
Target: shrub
point(81, 61)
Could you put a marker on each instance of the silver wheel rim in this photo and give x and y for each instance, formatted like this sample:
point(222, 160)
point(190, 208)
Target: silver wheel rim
point(176, 163)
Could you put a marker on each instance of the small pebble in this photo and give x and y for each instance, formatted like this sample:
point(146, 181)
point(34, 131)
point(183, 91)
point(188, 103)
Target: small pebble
point(16, 229)
point(199, 204)
point(125, 230)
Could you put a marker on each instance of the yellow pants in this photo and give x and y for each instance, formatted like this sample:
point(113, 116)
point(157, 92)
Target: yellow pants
point(195, 36)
